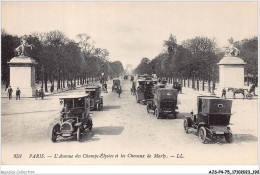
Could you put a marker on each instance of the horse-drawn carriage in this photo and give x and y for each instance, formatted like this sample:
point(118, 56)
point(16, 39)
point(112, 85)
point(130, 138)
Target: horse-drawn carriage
point(248, 93)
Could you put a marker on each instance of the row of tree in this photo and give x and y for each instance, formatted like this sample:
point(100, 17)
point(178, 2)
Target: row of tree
point(61, 59)
point(197, 59)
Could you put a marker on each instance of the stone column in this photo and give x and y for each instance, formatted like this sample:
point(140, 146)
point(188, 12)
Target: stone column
point(22, 75)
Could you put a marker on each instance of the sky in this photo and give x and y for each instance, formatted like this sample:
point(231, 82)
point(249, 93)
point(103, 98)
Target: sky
point(133, 30)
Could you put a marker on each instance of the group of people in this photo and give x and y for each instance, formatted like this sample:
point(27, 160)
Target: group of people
point(10, 91)
point(39, 93)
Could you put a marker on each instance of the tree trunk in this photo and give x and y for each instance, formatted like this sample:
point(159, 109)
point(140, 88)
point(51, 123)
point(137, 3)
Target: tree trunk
point(58, 84)
point(198, 84)
point(247, 78)
point(188, 82)
point(209, 90)
point(203, 85)
point(46, 87)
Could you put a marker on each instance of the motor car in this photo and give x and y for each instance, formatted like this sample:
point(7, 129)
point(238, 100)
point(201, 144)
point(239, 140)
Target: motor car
point(96, 100)
point(75, 117)
point(164, 102)
point(211, 119)
point(116, 84)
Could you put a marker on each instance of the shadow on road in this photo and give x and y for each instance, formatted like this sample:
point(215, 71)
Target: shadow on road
point(108, 108)
point(106, 130)
point(29, 112)
point(239, 138)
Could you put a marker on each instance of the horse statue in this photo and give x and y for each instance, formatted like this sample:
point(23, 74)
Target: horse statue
point(232, 51)
point(22, 50)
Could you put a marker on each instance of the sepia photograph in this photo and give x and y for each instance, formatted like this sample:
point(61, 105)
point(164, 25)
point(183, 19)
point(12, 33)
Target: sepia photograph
point(130, 83)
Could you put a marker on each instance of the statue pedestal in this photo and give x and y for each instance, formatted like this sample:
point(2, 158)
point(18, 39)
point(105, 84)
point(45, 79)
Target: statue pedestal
point(22, 75)
point(231, 72)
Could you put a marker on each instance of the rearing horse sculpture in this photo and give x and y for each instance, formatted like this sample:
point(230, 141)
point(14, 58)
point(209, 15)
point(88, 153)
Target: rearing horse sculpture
point(22, 49)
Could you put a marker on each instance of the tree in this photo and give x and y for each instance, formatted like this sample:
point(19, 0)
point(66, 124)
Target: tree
point(249, 52)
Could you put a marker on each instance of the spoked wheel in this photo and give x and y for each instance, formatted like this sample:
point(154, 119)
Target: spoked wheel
point(90, 125)
point(54, 134)
point(138, 101)
point(147, 108)
point(249, 96)
point(202, 134)
point(79, 134)
point(186, 126)
point(229, 136)
point(157, 114)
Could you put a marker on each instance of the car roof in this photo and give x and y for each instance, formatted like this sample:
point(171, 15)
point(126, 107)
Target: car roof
point(92, 87)
point(75, 96)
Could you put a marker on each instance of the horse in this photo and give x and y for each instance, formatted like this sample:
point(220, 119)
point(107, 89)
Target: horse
point(237, 91)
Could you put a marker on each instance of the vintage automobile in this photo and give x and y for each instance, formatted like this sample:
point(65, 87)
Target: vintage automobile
point(125, 77)
point(96, 100)
point(177, 86)
point(164, 102)
point(116, 84)
point(212, 119)
point(144, 89)
point(75, 117)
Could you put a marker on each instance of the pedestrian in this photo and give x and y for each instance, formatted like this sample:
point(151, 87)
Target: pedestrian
point(52, 88)
point(41, 93)
point(36, 94)
point(224, 93)
point(10, 91)
point(119, 90)
point(18, 93)
point(105, 86)
point(6, 86)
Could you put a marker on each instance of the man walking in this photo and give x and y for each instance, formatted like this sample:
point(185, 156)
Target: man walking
point(223, 93)
point(10, 91)
point(18, 92)
point(119, 91)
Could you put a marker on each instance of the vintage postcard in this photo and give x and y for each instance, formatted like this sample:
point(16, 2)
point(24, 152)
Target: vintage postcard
point(129, 83)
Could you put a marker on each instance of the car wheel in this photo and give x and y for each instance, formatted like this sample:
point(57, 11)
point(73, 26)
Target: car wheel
point(157, 114)
point(186, 126)
point(147, 108)
point(101, 106)
point(229, 136)
point(54, 134)
point(202, 134)
point(138, 101)
point(90, 125)
point(79, 134)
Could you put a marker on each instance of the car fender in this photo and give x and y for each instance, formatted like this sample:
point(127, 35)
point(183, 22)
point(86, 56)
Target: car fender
point(189, 121)
point(78, 124)
point(201, 124)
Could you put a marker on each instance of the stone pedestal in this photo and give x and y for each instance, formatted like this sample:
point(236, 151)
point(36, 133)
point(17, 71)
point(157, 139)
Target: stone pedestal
point(22, 75)
point(231, 72)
